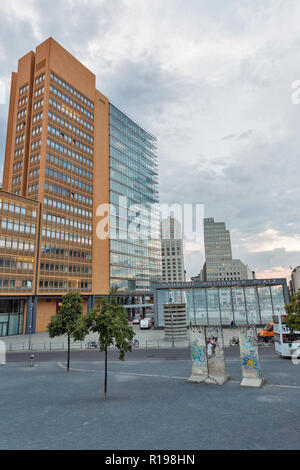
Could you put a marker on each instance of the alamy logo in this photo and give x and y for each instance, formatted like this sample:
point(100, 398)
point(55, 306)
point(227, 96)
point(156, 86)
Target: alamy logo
point(295, 98)
point(137, 222)
point(2, 92)
point(2, 353)
point(296, 353)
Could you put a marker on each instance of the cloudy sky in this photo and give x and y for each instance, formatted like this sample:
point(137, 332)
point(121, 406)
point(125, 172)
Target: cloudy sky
point(213, 80)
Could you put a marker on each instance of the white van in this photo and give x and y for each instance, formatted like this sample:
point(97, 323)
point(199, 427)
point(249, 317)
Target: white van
point(146, 324)
point(286, 344)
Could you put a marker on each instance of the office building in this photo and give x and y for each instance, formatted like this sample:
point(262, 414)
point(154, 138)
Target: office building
point(69, 152)
point(197, 278)
point(172, 251)
point(219, 264)
point(135, 257)
point(18, 254)
point(295, 280)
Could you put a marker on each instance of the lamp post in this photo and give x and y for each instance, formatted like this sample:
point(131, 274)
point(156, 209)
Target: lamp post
point(172, 323)
point(30, 328)
point(29, 341)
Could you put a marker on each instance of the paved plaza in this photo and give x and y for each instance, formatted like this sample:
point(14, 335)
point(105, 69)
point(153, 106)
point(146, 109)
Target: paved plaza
point(150, 404)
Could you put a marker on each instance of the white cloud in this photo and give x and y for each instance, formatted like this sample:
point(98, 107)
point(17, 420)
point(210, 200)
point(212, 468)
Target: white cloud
point(14, 12)
point(275, 272)
point(271, 240)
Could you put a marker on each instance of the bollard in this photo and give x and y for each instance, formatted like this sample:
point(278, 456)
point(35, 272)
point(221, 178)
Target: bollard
point(32, 360)
point(2, 353)
point(252, 375)
point(198, 352)
point(215, 356)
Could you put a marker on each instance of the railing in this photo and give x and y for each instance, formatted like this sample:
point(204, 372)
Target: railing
point(77, 345)
point(52, 346)
point(55, 346)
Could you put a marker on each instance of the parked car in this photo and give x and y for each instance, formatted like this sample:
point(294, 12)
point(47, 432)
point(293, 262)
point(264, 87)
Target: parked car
point(136, 320)
point(146, 324)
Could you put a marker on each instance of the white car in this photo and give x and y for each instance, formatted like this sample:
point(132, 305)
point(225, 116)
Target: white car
point(146, 324)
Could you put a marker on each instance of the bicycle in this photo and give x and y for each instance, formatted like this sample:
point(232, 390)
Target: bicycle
point(92, 345)
point(234, 341)
point(135, 343)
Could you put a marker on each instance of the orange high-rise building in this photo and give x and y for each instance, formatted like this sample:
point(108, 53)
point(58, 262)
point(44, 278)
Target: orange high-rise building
point(68, 151)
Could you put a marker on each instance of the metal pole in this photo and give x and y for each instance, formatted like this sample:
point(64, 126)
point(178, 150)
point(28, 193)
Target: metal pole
point(29, 341)
point(246, 308)
point(172, 322)
point(258, 303)
point(195, 319)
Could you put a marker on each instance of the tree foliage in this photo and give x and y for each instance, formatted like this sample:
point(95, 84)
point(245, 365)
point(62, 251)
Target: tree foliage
point(67, 321)
point(293, 311)
point(110, 321)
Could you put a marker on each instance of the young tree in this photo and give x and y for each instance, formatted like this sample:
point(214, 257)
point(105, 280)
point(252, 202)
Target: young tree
point(111, 323)
point(293, 311)
point(67, 321)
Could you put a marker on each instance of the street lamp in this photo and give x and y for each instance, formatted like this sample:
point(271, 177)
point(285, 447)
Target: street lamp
point(172, 322)
point(29, 342)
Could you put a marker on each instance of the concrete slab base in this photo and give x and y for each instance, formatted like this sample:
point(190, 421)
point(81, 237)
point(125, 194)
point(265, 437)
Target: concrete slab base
point(197, 379)
point(217, 380)
point(250, 382)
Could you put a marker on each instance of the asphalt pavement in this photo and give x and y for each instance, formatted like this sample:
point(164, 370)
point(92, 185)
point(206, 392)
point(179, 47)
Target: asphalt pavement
point(150, 404)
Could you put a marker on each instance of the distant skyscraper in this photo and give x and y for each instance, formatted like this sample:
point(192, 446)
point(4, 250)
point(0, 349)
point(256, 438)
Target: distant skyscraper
point(295, 280)
point(219, 263)
point(197, 278)
point(172, 251)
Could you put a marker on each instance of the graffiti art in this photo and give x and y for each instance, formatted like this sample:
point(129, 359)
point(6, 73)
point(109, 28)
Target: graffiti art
point(211, 345)
point(198, 353)
point(250, 362)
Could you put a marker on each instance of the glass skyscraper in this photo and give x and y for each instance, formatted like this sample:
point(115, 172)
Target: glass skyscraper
point(135, 247)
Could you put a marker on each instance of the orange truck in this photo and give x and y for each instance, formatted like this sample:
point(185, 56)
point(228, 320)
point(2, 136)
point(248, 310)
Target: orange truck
point(267, 334)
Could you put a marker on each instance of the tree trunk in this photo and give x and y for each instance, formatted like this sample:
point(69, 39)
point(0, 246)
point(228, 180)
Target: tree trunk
point(69, 347)
point(105, 376)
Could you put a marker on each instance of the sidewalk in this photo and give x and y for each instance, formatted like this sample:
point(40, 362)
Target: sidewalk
point(41, 341)
point(148, 339)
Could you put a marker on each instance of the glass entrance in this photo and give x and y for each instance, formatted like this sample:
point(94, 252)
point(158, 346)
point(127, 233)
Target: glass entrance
point(3, 329)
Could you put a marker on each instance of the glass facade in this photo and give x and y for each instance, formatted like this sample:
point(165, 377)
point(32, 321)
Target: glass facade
point(11, 317)
point(265, 304)
point(213, 306)
point(277, 300)
point(135, 250)
point(200, 310)
point(253, 311)
point(67, 218)
point(18, 243)
point(226, 305)
point(245, 304)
